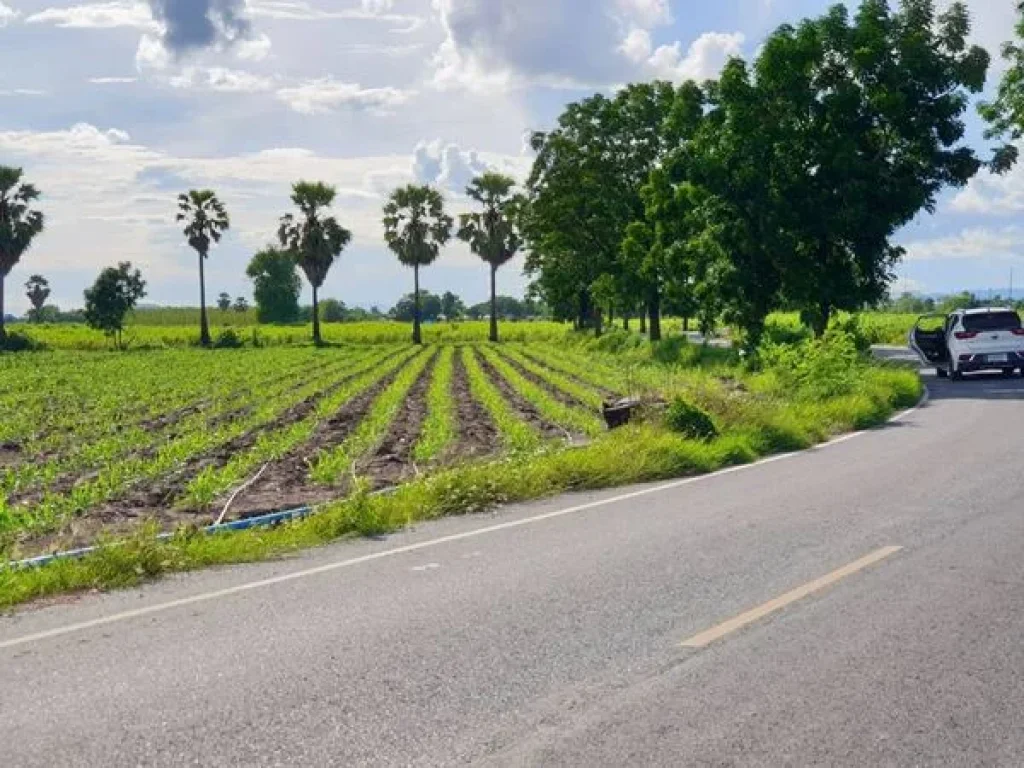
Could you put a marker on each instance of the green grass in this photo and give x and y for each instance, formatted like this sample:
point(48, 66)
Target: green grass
point(636, 454)
point(440, 428)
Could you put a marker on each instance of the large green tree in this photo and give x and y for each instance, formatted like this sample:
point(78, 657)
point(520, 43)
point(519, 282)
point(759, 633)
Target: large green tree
point(415, 228)
point(493, 233)
point(1005, 114)
point(206, 220)
point(19, 226)
point(584, 191)
point(276, 286)
point(870, 115)
point(315, 239)
point(114, 294)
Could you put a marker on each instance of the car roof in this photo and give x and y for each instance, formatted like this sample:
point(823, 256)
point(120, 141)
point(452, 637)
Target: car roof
point(988, 310)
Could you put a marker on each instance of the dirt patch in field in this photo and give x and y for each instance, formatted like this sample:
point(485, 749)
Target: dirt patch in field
point(608, 395)
point(392, 462)
point(286, 484)
point(477, 435)
point(526, 410)
point(10, 453)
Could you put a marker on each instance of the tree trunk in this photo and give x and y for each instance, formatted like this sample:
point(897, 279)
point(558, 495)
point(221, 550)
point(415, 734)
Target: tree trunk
point(822, 318)
point(417, 336)
point(204, 325)
point(643, 319)
point(3, 329)
point(625, 321)
point(611, 316)
point(686, 324)
point(494, 303)
point(654, 310)
point(583, 310)
point(316, 318)
point(597, 322)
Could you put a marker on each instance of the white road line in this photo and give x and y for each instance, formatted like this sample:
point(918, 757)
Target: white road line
point(736, 623)
point(329, 567)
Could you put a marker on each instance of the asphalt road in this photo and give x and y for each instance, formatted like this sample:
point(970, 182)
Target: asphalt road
point(555, 633)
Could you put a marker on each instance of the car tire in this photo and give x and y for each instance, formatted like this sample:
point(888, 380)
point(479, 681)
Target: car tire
point(955, 374)
point(942, 373)
point(1007, 372)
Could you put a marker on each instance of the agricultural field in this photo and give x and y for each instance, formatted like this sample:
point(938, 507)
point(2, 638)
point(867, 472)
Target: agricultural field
point(94, 445)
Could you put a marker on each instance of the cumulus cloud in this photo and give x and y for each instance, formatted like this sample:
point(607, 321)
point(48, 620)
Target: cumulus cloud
point(572, 43)
point(189, 25)
point(703, 59)
point(971, 243)
point(221, 79)
point(448, 166)
point(7, 14)
point(103, 15)
point(989, 194)
point(329, 95)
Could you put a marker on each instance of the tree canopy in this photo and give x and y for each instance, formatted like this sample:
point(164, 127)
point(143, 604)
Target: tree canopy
point(114, 294)
point(20, 224)
point(276, 285)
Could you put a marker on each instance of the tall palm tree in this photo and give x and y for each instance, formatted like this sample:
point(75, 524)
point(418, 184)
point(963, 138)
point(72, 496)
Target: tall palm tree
point(415, 228)
point(205, 221)
point(492, 234)
point(314, 239)
point(19, 226)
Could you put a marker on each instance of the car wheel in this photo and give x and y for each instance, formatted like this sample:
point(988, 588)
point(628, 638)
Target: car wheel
point(1007, 372)
point(942, 373)
point(955, 374)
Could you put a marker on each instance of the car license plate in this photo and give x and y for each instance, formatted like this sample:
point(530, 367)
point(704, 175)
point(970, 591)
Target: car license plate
point(997, 358)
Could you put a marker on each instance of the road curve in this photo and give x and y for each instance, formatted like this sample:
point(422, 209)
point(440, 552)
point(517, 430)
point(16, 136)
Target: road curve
point(563, 632)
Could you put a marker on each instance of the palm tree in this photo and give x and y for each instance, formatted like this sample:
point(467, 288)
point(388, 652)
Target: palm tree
point(492, 233)
point(19, 226)
point(314, 240)
point(415, 228)
point(205, 221)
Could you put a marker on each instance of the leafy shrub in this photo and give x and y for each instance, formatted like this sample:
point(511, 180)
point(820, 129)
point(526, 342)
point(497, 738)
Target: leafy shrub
point(852, 326)
point(19, 342)
point(816, 368)
point(690, 421)
point(228, 339)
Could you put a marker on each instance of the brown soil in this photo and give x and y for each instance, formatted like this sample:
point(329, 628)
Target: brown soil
point(526, 410)
point(10, 453)
point(392, 462)
point(477, 435)
point(286, 484)
point(608, 395)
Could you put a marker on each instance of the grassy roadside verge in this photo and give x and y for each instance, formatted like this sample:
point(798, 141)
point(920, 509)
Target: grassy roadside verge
point(756, 428)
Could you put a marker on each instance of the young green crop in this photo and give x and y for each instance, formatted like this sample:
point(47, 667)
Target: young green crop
point(555, 411)
point(440, 428)
point(273, 444)
point(584, 394)
point(331, 465)
point(516, 434)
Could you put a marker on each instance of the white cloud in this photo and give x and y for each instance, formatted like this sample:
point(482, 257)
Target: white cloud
point(449, 166)
point(221, 79)
point(112, 80)
point(328, 95)
point(300, 10)
point(988, 194)
point(105, 15)
point(151, 54)
point(7, 14)
point(23, 92)
point(971, 243)
point(255, 49)
point(704, 58)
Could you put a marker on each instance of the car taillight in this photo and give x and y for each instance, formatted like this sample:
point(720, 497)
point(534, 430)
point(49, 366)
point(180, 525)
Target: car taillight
point(1018, 331)
point(965, 334)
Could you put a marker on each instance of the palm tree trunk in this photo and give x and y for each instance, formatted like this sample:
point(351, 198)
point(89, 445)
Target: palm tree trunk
point(494, 303)
point(316, 318)
point(204, 325)
point(3, 330)
point(417, 337)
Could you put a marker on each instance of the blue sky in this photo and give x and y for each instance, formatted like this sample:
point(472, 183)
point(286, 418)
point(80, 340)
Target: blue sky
point(114, 107)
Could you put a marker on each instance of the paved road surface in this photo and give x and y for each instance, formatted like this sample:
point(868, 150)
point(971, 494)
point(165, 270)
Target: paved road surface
point(547, 635)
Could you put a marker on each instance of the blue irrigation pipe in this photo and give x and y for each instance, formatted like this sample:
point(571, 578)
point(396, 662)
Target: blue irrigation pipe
point(263, 521)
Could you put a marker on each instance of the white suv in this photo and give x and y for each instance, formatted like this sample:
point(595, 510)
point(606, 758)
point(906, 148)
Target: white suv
point(987, 339)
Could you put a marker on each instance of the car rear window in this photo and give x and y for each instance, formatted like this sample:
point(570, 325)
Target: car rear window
point(992, 321)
